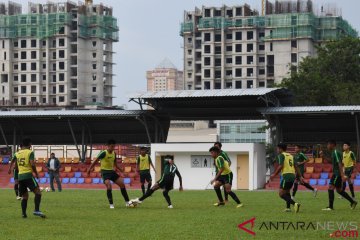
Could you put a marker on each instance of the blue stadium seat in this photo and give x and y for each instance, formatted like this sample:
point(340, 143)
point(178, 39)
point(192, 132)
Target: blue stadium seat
point(43, 180)
point(80, 180)
point(47, 175)
point(324, 175)
point(357, 182)
point(73, 180)
point(48, 180)
point(96, 180)
point(127, 180)
point(5, 160)
point(12, 180)
point(358, 176)
point(77, 174)
point(321, 182)
point(312, 181)
point(328, 181)
point(65, 180)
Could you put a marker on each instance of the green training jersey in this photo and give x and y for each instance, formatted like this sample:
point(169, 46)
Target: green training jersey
point(298, 158)
point(336, 158)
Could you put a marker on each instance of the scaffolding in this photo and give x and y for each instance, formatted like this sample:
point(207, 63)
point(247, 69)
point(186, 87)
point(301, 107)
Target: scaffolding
point(104, 27)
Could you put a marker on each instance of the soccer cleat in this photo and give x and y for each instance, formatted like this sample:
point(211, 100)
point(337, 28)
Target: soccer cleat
point(287, 210)
point(297, 207)
point(328, 209)
point(240, 205)
point(39, 214)
point(24, 216)
point(219, 204)
point(18, 198)
point(315, 192)
point(170, 206)
point(136, 201)
point(112, 206)
point(353, 205)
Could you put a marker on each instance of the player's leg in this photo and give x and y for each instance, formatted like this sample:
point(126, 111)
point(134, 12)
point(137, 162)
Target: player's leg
point(348, 173)
point(58, 182)
point(149, 181)
point(226, 195)
point(295, 188)
point(16, 189)
point(34, 187)
point(339, 190)
point(167, 197)
point(109, 192)
point(217, 186)
point(118, 181)
point(331, 194)
point(25, 195)
point(151, 191)
point(142, 181)
point(51, 176)
point(227, 187)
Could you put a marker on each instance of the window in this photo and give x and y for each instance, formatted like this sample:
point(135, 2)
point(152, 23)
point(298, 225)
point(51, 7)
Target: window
point(261, 47)
point(62, 30)
point(54, 90)
point(16, 44)
point(238, 47)
point(217, 62)
point(189, 40)
point(23, 67)
point(54, 67)
point(44, 89)
point(250, 35)
point(206, 85)
point(33, 43)
point(61, 54)
point(94, 43)
point(207, 37)
point(217, 85)
point(61, 76)
point(249, 59)
point(61, 99)
point(94, 66)
point(229, 36)
point(23, 101)
point(33, 66)
point(261, 71)
point(261, 59)
point(249, 84)
point(94, 54)
point(16, 78)
point(207, 49)
point(44, 43)
point(261, 35)
point(44, 54)
point(5, 56)
point(44, 65)
point(238, 84)
point(16, 55)
point(33, 77)
point(250, 47)
point(54, 55)
point(238, 72)
point(16, 89)
point(238, 60)
point(229, 48)
point(229, 13)
point(249, 72)
point(61, 42)
point(217, 49)
point(23, 55)
point(217, 37)
point(262, 84)
point(54, 100)
point(228, 60)
point(61, 65)
point(238, 11)
point(238, 36)
point(271, 47)
point(54, 78)
point(44, 77)
point(94, 77)
point(293, 57)
point(61, 88)
point(228, 73)
point(207, 61)
point(23, 89)
point(23, 43)
point(33, 89)
point(94, 89)
point(16, 66)
point(207, 13)
point(294, 44)
point(44, 100)
point(228, 85)
point(33, 54)
point(217, 13)
point(206, 73)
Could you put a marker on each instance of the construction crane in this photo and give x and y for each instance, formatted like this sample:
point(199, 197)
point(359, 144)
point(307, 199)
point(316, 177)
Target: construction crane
point(263, 7)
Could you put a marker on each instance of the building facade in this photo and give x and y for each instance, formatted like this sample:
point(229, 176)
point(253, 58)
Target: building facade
point(234, 47)
point(57, 54)
point(165, 77)
point(243, 131)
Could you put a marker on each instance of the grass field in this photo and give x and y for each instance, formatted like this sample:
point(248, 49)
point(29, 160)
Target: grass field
point(85, 214)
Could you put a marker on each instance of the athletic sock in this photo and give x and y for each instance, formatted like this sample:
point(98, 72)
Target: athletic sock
point(308, 186)
point(166, 196)
point(295, 188)
point(346, 196)
point(147, 194)
point(344, 186)
point(16, 188)
point(23, 206)
point(218, 193)
point(288, 199)
point(233, 196)
point(148, 187)
point(351, 186)
point(143, 188)
point(226, 195)
point(331, 198)
point(37, 201)
point(287, 202)
point(124, 193)
point(109, 196)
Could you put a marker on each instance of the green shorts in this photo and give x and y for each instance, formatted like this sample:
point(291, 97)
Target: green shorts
point(287, 181)
point(336, 181)
point(24, 184)
point(145, 176)
point(109, 175)
point(349, 171)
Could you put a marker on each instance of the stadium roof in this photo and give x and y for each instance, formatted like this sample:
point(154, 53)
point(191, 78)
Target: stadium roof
point(225, 104)
point(310, 109)
point(83, 126)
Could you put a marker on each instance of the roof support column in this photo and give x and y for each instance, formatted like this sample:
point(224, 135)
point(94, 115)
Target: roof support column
point(83, 144)
point(143, 122)
point(74, 138)
point(357, 134)
point(14, 141)
point(3, 135)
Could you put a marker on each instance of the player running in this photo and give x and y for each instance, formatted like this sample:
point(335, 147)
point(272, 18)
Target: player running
point(166, 183)
point(338, 178)
point(300, 160)
point(15, 172)
point(143, 163)
point(25, 161)
point(349, 161)
point(223, 177)
point(226, 158)
point(288, 169)
point(107, 160)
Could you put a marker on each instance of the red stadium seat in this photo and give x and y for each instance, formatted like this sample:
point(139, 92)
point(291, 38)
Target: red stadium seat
point(327, 168)
point(93, 174)
point(309, 169)
point(315, 175)
point(63, 175)
point(330, 175)
point(83, 169)
point(61, 169)
point(88, 180)
point(70, 174)
point(98, 174)
point(84, 174)
point(317, 169)
point(75, 169)
point(307, 175)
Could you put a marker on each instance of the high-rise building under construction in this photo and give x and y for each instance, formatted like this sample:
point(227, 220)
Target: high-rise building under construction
point(234, 47)
point(56, 54)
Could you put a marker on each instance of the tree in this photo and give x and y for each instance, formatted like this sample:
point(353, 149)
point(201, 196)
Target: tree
point(330, 78)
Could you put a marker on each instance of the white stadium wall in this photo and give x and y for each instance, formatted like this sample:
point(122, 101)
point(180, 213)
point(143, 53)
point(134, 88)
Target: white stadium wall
point(189, 157)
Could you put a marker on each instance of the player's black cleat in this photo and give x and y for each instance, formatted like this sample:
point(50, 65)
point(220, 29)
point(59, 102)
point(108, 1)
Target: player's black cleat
point(353, 205)
point(39, 214)
point(24, 216)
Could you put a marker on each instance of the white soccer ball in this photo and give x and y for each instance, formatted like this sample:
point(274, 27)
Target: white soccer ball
point(47, 189)
point(131, 204)
point(41, 189)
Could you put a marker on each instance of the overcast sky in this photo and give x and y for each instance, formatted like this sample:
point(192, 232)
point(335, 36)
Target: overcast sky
point(149, 32)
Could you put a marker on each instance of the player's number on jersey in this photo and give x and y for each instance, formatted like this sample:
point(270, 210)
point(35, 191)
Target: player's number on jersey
point(291, 163)
point(22, 162)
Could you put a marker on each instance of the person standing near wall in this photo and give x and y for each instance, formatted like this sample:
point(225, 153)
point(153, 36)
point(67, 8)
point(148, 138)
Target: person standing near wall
point(53, 166)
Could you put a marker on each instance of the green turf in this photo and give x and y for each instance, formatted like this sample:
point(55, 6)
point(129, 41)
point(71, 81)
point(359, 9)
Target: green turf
point(85, 214)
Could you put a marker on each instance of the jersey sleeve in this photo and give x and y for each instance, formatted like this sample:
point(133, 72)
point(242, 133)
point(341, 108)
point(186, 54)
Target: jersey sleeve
point(32, 156)
point(14, 157)
point(352, 155)
point(281, 159)
point(338, 157)
point(150, 160)
point(303, 157)
point(101, 155)
point(220, 162)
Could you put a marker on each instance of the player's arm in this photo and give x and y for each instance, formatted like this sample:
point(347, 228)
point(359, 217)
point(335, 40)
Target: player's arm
point(180, 179)
point(98, 158)
point(281, 159)
point(13, 160)
point(151, 164)
point(297, 170)
point(221, 169)
point(304, 159)
point(341, 167)
point(32, 163)
point(138, 163)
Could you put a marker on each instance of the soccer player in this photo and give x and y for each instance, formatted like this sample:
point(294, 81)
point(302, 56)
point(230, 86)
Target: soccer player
point(15, 172)
point(337, 178)
point(223, 177)
point(226, 158)
point(166, 183)
point(349, 161)
point(107, 160)
point(26, 165)
point(300, 160)
point(143, 163)
point(288, 169)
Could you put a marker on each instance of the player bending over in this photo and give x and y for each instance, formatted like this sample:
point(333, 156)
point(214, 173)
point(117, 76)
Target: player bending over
point(107, 160)
point(26, 165)
point(166, 183)
point(223, 177)
point(143, 163)
point(300, 160)
point(288, 169)
point(337, 178)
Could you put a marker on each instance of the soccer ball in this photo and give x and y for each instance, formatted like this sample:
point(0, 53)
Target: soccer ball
point(131, 204)
point(47, 189)
point(41, 189)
